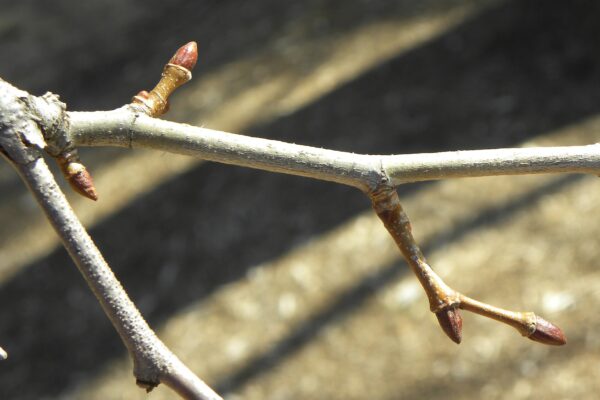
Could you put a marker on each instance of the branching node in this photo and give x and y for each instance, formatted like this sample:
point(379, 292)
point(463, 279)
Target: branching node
point(444, 301)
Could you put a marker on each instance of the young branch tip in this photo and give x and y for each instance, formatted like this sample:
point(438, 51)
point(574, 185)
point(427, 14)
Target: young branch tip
point(444, 301)
point(176, 72)
point(527, 323)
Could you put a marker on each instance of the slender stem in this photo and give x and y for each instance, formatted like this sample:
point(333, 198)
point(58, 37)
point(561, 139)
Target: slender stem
point(125, 128)
point(524, 322)
point(518, 161)
point(387, 205)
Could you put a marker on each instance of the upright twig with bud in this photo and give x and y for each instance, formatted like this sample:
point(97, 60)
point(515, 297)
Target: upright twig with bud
point(177, 72)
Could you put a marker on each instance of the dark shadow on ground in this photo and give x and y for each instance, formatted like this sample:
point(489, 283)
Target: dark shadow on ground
point(520, 69)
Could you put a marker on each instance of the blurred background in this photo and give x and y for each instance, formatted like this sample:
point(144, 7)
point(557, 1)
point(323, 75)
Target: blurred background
point(278, 287)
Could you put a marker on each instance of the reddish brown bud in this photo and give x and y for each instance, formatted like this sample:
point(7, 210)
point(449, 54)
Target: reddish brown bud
point(186, 56)
point(77, 174)
point(451, 322)
point(547, 333)
point(78, 177)
point(81, 181)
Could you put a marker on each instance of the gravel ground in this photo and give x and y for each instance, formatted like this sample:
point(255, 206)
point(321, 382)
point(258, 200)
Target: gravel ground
point(279, 287)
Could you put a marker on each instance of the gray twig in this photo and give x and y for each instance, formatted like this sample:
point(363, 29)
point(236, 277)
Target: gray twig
point(124, 128)
point(21, 143)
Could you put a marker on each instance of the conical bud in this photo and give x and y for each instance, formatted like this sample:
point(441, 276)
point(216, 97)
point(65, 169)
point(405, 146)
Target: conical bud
point(80, 180)
point(451, 322)
point(186, 56)
point(547, 333)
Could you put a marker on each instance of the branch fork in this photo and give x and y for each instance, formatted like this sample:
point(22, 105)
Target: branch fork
point(444, 301)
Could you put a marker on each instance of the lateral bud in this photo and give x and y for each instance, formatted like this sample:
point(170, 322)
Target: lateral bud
point(450, 320)
point(547, 333)
point(77, 175)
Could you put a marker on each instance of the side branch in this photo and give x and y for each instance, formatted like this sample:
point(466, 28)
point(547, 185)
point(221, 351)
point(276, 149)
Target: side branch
point(126, 128)
point(443, 300)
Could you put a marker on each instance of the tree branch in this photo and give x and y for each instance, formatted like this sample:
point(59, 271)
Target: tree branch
point(21, 142)
point(376, 175)
point(125, 127)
